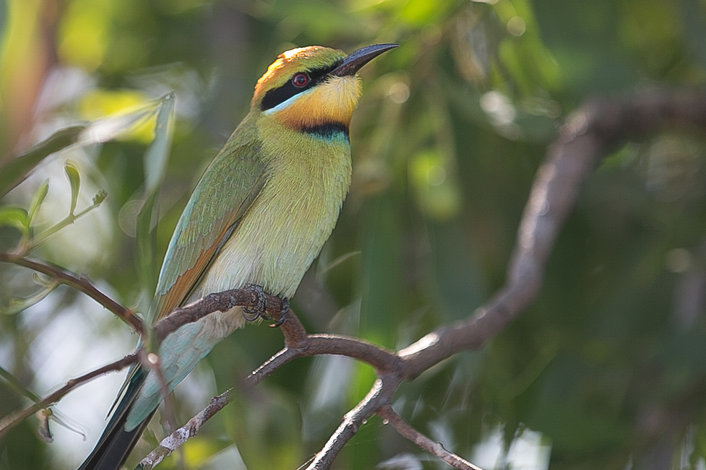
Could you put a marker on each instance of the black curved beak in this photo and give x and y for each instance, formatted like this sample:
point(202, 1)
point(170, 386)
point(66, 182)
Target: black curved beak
point(359, 58)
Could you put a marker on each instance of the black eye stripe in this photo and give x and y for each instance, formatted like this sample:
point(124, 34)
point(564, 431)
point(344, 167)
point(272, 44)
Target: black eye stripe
point(279, 95)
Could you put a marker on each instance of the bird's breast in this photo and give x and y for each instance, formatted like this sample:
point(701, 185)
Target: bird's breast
point(288, 223)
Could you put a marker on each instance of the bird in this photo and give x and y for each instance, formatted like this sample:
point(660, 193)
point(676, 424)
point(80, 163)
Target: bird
point(259, 216)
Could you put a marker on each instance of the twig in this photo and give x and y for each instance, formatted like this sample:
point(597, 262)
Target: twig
point(308, 345)
point(177, 438)
point(78, 282)
point(377, 397)
point(15, 418)
point(177, 318)
point(434, 448)
point(153, 363)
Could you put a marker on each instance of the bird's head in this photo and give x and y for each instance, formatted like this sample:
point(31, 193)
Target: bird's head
point(313, 87)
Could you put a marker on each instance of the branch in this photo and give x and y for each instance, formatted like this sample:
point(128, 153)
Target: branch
point(221, 301)
point(179, 437)
point(316, 345)
point(12, 420)
point(78, 282)
point(378, 396)
point(587, 136)
point(179, 317)
point(434, 448)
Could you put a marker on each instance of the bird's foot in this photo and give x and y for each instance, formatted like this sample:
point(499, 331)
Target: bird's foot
point(253, 313)
point(282, 313)
point(260, 310)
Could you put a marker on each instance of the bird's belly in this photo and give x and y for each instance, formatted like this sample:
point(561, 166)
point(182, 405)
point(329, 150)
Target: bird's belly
point(278, 238)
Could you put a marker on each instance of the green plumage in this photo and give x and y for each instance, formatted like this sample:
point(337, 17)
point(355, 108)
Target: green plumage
point(280, 212)
point(260, 214)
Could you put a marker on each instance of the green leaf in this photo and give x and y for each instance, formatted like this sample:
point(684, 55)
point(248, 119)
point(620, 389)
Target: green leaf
point(158, 152)
point(17, 305)
point(146, 240)
point(155, 163)
point(102, 130)
point(16, 170)
point(38, 199)
point(106, 129)
point(75, 182)
point(15, 217)
point(16, 385)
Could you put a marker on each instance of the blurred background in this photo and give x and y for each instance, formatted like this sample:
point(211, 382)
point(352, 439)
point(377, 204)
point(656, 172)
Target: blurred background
point(607, 368)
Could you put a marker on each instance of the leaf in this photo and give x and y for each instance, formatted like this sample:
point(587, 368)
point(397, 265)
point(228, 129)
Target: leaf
point(51, 414)
point(15, 217)
point(109, 128)
point(158, 152)
point(16, 385)
point(102, 130)
point(155, 162)
point(17, 305)
point(75, 182)
point(16, 170)
point(38, 199)
point(146, 239)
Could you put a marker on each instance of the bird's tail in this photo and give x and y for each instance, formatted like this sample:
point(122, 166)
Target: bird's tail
point(115, 444)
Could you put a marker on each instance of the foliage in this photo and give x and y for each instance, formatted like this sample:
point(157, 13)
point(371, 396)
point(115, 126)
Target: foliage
point(606, 367)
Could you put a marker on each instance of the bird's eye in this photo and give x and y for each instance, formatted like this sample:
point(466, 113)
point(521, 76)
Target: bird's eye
point(300, 80)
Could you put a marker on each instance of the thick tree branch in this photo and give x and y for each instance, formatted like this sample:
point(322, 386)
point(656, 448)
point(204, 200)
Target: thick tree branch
point(587, 136)
point(220, 301)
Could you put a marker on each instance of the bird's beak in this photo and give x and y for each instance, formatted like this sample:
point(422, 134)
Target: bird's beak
point(359, 58)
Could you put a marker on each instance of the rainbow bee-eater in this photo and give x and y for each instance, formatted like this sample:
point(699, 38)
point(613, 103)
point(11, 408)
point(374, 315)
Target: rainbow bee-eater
point(259, 215)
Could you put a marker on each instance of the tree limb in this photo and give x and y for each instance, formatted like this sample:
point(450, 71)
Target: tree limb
point(221, 301)
point(11, 420)
point(586, 137)
point(179, 437)
point(78, 282)
point(434, 448)
point(378, 396)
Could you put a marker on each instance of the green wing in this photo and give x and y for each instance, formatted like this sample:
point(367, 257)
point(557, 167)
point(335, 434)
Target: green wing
point(224, 193)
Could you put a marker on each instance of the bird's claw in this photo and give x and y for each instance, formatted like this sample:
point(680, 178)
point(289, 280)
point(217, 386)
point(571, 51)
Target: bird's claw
point(252, 314)
point(282, 313)
point(260, 310)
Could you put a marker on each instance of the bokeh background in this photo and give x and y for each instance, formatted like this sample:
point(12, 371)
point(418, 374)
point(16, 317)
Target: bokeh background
point(607, 369)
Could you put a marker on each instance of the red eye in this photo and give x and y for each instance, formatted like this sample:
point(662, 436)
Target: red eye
point(300, 80)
